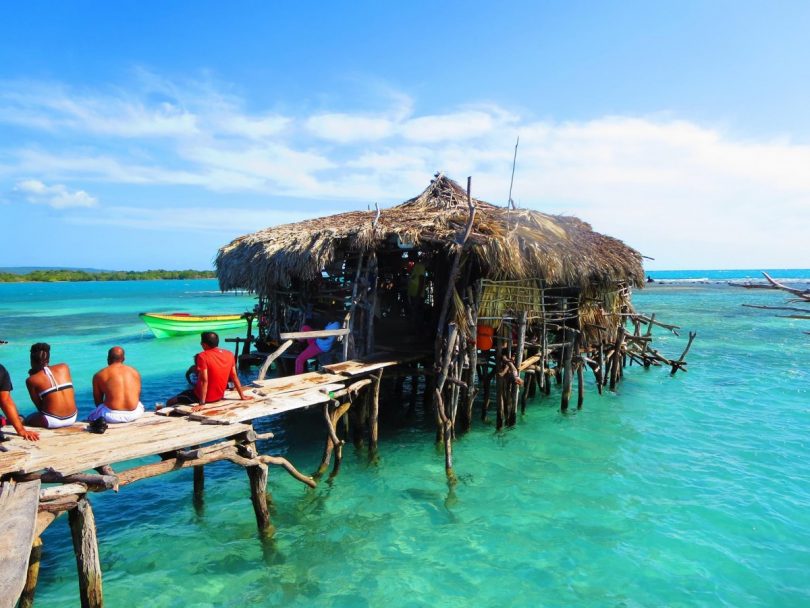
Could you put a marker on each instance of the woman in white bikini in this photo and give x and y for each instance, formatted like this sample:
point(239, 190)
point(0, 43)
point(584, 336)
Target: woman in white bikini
point(51, 390)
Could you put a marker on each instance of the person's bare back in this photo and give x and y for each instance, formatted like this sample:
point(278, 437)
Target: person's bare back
point(118, 386)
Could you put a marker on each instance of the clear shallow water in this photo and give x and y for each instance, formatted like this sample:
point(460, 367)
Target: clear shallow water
point(684, 491)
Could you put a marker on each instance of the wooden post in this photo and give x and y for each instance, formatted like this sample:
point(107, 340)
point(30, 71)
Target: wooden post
point(85, 546)
point(568, 351)
point(616, 361)
point(347, 349)
point(257, 477)
point(371, 269)
point(248, 339)
point(472, 388)
point(451, 280)
point(498, 381)
point(580, 383)
point(374, 414)
point(199, 485)
point(518, 361)
point(27, 596)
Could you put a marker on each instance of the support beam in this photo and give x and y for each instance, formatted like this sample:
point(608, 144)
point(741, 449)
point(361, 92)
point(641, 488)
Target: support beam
point(27, 596)
point(199, 486)
point(85, 546)
point(257, 476)
point(374, 415)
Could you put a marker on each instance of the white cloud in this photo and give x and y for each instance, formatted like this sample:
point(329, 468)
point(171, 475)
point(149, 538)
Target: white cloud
point(348, 128)
point(51, 107)
point(469, 125)
point(192, 219)
point(685, 193)
point(56, 196)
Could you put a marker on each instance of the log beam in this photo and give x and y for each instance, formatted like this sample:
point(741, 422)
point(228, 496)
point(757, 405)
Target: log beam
point(85, 546)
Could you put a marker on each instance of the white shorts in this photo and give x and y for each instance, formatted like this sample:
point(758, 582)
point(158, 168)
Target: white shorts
point(116, 416)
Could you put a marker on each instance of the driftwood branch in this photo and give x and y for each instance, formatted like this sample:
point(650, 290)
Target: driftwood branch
point(272, 357)
point(802, 294)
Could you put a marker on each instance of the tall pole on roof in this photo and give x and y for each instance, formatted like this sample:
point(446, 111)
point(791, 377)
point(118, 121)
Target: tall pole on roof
point(512, 181)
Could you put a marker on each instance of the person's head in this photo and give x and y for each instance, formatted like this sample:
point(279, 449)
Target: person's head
point(209, 339)
point(115, 355)
point(40, 356)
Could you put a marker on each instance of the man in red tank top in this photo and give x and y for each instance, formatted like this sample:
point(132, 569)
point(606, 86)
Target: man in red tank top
point(215, 366)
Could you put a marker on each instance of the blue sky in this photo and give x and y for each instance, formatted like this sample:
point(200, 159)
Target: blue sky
point(140, 135)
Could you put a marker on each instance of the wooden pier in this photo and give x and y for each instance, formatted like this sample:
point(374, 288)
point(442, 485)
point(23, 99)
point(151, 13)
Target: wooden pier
point(42, 480)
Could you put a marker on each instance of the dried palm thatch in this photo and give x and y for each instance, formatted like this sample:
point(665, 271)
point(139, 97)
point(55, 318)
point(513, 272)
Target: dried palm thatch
point(505, 243)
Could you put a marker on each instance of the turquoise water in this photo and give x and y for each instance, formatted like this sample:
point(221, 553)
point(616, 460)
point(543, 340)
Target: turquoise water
point(691, 490)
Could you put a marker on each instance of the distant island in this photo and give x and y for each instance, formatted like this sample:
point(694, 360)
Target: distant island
point(52, 276)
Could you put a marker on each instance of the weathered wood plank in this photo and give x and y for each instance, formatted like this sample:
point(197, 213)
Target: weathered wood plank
point(73, 450)
point(371, 363)
point(321, 333)
point(294, 383)
point(271, 405)
point(12, 456)
point(18, 512)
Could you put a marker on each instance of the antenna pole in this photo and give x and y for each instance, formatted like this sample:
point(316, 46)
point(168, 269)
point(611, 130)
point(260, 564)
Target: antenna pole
point(512, 181)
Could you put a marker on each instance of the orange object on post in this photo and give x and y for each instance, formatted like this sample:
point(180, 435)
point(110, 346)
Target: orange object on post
point(484, 335)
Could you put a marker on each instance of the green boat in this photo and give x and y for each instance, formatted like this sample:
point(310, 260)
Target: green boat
point(165, 325)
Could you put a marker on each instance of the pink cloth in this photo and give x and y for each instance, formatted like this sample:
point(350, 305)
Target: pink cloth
point(311, 350)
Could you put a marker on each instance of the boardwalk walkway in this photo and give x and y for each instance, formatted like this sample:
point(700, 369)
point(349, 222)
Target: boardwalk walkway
point(74, 462)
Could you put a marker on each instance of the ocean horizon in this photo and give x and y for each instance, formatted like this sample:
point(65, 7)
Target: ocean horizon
point(685, 490)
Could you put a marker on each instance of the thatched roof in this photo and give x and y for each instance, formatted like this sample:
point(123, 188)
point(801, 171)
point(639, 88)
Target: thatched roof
point(508, 243)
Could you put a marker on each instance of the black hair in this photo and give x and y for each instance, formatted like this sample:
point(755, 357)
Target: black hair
point(209, 338)
point(40, 356)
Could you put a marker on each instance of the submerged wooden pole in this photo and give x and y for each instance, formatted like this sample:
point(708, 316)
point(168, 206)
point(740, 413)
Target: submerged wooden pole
point(85, 546)
point(499, 419)
point(257, 477)
point(371, 301)
point(374, 414)
point(199, 485)
point(32, 575)
point(518, 362)
point(568, 351)
point(347, 349)
point(616, 360)
point(472, 355)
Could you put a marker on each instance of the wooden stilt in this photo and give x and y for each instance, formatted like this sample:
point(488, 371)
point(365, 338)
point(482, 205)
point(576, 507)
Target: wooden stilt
point(371, 301)
point(568, 351)
point(580, 384)
point(616, 359)
point(85, 546)
point(27, 596)
point(199, 485)
point(257, 477)
point(518, 361)
point(348, 339)
point(499, 383)
point(374, 413)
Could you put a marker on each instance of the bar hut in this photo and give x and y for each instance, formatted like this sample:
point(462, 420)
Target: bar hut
point(499, 303)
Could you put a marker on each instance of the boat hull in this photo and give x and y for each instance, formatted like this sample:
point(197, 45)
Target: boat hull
point(168, 325)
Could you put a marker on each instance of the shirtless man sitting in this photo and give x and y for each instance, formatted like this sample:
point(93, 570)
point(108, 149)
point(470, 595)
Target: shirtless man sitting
point(117, 390)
